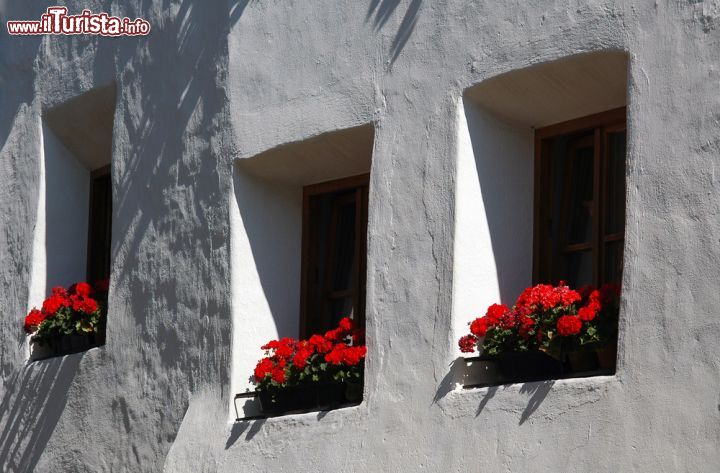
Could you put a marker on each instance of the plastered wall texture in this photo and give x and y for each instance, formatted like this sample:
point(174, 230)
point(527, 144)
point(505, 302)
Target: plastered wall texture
point(220, 81)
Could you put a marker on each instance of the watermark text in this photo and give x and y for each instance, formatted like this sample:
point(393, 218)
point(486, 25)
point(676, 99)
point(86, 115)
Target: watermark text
point(56, 21)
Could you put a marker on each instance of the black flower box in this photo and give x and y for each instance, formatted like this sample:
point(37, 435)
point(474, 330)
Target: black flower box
point(513, 367)
point(532, 366)
point(64, 345)
point(310, 397)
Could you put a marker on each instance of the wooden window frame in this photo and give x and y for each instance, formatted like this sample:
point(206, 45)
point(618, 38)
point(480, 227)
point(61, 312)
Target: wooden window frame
point(97, 173)
point(602, 123)
point(361, 184)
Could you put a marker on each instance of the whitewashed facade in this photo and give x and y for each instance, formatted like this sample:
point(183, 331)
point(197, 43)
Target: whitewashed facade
point(215, 121)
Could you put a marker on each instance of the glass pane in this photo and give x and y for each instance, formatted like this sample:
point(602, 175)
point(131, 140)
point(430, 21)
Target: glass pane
point(100, 225)
point(580, 196)
point(613, 262)
point(578, 268)
point(344, 256)
point(615, 204)
point(340, 308)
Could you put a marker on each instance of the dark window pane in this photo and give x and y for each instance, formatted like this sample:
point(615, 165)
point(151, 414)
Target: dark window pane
point(100, 228)
point(578, 268)
point(580, 194)
point(613, 261)
point(340, 308)
point(334, 285)
point(344, 247)
point(615, 202)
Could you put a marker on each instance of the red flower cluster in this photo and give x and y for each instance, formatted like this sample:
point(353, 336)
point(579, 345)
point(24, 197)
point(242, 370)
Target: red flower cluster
point(287, 358)
point(546, 296)
point(77, 299)
point(33, 321)
point(568, 325)
point(467, 343)
point(539, 311)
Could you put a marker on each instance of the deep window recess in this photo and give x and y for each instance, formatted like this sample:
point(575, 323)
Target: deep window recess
point(580, 200)
point(334, 253)
point(99, 225)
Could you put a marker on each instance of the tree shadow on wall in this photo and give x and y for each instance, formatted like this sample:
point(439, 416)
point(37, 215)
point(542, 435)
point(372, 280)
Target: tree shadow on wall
point(31, 408)
point(457, 374)
point(380, 11)
point(537, 392)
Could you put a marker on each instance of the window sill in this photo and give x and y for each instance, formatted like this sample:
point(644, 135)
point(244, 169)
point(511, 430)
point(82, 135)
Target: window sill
point(529, 367)
point(297, 400)
point(251, 409)
point(59, 348)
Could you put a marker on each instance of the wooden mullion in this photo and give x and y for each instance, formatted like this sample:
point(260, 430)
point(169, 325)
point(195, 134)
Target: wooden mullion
point(340, 294)
point(337, 185)
point(576, 247)
point(590, 122)
point(613, 237)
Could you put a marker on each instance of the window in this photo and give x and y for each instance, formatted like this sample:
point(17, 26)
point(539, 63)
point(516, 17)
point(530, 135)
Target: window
point(540, 191)
point(298, 226)
point(334, 253)
point(99, 225)
point(580, 200)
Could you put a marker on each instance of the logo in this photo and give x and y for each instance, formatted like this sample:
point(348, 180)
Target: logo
point(56, 21)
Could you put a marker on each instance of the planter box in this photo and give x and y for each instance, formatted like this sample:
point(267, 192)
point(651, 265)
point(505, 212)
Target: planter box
point(514, 367)
point(65, 345)
point(309, 397)
point(522, 367)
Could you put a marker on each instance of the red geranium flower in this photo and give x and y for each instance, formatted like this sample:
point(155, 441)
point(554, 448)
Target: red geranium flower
point(526, 325)
point(320, 343)
point(53, 303)
point(594, 301)
point(262, 369)
point(495, 313)
point(508, 321)
point(87, 305)
point(586, 314)
point(82, 289)
point(285, 348)
point(346, 324)
point(33, 321)
point(334, 334)
point(336, 355)
point(467, 343)
point(353, 355)
point(301, 357)
point(278, 375)
point(480, 326)
point(567, 295)
point(568, 325)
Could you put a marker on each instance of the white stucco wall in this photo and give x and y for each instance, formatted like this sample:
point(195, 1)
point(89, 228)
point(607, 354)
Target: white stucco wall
point(266, 249)
point(219, 82)
point(61, 229)
point(493, 234)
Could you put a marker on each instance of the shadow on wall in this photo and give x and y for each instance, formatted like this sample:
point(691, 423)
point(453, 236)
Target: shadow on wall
point(271, 218)
point(380, 11)
point(30, 410)
point(537, 391)
point(503, 160)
